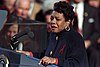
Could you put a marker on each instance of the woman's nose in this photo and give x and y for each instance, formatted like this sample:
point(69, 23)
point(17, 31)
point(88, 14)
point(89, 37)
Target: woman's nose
point(53, 21)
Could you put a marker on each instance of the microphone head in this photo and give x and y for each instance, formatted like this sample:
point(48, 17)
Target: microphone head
point(27, 29)
point(31, 35)
point(26, 34)
point(21, 33)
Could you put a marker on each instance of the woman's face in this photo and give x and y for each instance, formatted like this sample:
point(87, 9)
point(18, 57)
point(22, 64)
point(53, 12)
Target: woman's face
point(12, 31)
point(58, 22)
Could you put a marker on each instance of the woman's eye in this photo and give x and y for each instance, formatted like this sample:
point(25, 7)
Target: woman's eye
point(57, 19)
point(52, 18)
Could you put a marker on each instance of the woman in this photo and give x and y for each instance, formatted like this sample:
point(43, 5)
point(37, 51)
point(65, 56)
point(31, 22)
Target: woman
point(10, 29)
point(8, 32)
point(66, 46)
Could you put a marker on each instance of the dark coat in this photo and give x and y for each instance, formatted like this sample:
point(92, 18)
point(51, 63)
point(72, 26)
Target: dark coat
point(91, 24)
point(91, 31)
point(68, 48)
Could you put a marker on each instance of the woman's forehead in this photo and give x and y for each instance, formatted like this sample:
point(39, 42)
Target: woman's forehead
point(56, 14)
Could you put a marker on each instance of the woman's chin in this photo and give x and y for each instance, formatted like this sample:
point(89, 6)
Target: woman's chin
point(54, 30)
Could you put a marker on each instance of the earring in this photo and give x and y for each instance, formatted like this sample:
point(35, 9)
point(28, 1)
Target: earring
point(67, 29)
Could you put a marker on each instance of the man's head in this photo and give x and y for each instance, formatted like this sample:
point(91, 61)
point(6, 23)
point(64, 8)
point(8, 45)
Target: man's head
point(9, 4)
point(94, 3)
point(22, 8)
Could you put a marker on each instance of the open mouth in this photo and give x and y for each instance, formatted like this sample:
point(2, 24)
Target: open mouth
point(53, 27)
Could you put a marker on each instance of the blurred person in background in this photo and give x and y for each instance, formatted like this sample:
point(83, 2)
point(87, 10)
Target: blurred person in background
point(47, 16)
point(88, 27)
point(96, 3)
point(87, 17)
point(22, 8)
point(10, 29)
point(7, 32)
point(47, 19)
point(8, 5)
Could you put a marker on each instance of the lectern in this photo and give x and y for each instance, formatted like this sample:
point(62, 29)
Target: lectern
point(19, 60)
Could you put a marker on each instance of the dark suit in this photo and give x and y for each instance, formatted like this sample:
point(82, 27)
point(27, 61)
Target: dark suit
point(69, 49)
point(91, 31)
point(91, 24)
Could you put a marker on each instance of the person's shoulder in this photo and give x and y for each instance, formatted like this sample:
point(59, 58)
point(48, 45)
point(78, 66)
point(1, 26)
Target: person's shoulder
point(75, 39)
point(88, 6)
point(76, 35)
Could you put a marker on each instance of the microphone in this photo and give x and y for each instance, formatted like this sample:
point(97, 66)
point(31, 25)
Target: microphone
point(20, 37)
point(20, 34)
point(4, 60)
point(29, 35)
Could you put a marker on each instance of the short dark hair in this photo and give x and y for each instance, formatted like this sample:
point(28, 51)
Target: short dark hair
point(48, 12)
point(65, 8)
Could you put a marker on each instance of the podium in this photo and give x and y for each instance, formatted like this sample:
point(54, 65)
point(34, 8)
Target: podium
point(20, 60)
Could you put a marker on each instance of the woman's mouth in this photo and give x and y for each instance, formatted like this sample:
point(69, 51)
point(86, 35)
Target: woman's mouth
point(53, 27)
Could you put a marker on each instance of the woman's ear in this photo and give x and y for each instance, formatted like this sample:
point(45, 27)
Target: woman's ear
point(68, 22)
